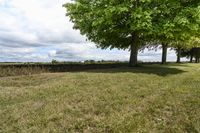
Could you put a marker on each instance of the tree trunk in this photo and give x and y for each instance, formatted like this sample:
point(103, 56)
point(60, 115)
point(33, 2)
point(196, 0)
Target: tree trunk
point(178, 55)
point(191, 58)
point(134, 51)
point(196, 60)
point(164, 53)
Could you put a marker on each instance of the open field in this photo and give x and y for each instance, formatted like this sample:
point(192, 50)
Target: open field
point(151, 98)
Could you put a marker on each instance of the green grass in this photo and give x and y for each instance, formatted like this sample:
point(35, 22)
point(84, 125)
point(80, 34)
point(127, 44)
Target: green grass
point(151, 98)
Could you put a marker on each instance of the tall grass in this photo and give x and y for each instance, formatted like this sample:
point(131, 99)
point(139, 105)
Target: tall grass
point(14, 71)
point(28, 69)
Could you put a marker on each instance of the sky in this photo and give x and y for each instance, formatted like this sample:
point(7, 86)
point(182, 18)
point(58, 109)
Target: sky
point(39, 31)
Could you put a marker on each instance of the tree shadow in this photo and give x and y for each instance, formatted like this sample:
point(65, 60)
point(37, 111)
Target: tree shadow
point(143, 69)
point(183, 64)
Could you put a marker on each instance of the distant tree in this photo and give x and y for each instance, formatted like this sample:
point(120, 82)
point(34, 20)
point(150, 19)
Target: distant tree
point(54, 61)
point(89, 61)
point(196, 53)
point(187, 54)
point(192, 53)
point(180, 47)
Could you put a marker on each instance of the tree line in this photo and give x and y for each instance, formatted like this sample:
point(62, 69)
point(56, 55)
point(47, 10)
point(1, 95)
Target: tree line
point(139, 24)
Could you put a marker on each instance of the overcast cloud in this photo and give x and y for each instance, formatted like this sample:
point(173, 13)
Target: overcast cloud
point(38, 30)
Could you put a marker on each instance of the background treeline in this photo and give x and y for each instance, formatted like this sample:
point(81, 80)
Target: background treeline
point(193, 53)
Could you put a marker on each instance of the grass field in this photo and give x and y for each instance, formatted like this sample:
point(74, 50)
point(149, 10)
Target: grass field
point(151, 98)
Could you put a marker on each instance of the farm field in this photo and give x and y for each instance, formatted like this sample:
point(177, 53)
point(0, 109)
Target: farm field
point(150, 98)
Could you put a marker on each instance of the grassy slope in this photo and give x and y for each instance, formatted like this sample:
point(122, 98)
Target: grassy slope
point(147, 99)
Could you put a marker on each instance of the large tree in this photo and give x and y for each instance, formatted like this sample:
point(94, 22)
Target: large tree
point(113, 23)
point(124, 24)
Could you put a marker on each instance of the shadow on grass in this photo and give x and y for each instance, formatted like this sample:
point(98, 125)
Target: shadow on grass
point(157, 70)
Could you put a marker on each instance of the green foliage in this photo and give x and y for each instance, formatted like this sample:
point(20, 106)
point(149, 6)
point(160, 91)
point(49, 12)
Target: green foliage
point(129, 16)
point(54, 61)
point(194, 42)
point(177, 21)
point(89, 62)
point(111, 23)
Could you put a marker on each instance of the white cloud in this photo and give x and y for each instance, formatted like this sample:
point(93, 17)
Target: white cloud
point(52, 53)
point(1, 2)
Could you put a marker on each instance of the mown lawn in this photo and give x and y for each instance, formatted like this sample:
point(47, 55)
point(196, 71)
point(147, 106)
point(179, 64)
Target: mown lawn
point(151, 98)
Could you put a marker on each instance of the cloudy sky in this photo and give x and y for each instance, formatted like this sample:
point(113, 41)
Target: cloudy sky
point(38, 30)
